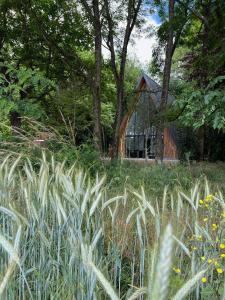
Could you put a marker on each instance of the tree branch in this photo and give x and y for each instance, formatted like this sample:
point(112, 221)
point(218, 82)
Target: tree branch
point(87, 9)
point(195, 12)
point(110, 41)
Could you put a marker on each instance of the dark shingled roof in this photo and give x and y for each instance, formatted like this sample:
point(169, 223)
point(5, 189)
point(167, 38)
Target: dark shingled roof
point(154, 88)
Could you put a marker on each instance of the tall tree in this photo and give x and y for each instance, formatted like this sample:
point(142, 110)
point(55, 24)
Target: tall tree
point(48, 35)
point(166, 81)
point(204, 65)
point(93, 12)
point(126, 12)
point(202, 62)
point(169, 34)
point(54, 38)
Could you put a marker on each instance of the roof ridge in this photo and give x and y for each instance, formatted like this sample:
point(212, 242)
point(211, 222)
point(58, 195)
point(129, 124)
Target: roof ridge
point(153, 87)
point(148, 77)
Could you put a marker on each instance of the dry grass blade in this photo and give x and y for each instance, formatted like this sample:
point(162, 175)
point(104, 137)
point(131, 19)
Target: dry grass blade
point(6, 277)
point(189, 200)
point(131, 214)
point(97, 186)
point(139, 229)
point(95, 204)
point(184, 248)
point(96, 239)
point(111, 201)
point(188, 286)
point(164, 198)
point(8, 247)
point(10, 213)
point(12, 169)
point(138, 293)
point(104, 282)
point(13, 258)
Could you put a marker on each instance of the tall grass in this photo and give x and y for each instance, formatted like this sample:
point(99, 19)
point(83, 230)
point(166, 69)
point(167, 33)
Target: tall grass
point(62, 237)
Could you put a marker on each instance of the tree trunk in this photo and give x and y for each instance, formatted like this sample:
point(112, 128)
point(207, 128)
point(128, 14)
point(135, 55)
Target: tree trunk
point(120, 89)
point(201, 137)
point(97, 78)
point(165, 87)
point(159, 147)
point(93, 12)
point(133, 8)
point(119, 112)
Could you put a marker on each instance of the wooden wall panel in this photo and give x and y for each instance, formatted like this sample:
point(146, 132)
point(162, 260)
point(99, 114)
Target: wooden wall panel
point(126, 118)
point(170, 148)
point(123, 128)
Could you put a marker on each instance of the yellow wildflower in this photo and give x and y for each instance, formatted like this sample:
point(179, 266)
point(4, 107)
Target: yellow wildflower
point(214, 226)
point(205, 219)
point(177, 270)
point(204, 279)
point(222, 255)
point(216, 264)
point(219, 270)
point(209, 198)
point(222, 246)
point(203, 258)
point(209, 261)
point(223, 215)
point(206, 205)
point(201, 201)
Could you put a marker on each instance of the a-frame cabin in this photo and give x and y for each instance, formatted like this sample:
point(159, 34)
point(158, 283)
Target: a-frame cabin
point(137, 131)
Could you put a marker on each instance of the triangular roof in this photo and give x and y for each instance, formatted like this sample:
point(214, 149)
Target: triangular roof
point(154, 88)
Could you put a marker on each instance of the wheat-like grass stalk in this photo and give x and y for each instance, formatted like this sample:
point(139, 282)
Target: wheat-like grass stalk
point(59, 209)
point(14, 260)
point(162, 270)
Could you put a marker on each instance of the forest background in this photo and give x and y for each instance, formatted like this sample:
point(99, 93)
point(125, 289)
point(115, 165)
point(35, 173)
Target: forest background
point(53, 71)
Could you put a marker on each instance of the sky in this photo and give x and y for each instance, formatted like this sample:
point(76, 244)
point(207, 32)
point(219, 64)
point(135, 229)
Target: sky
point(143, 44)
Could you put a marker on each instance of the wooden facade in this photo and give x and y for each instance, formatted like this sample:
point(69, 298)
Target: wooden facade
point(147, 93)
point(170, 147)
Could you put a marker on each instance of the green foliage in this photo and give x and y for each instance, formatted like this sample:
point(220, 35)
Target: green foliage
point(83, 156)
point(45, 35)
point(6, 108)
point(197, 77)
point(23, 91)
point(107, 117)
point(205, 106)
point(23, 83)
point(74, 103)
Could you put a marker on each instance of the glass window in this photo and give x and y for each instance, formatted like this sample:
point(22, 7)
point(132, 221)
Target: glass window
point(140, 133)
